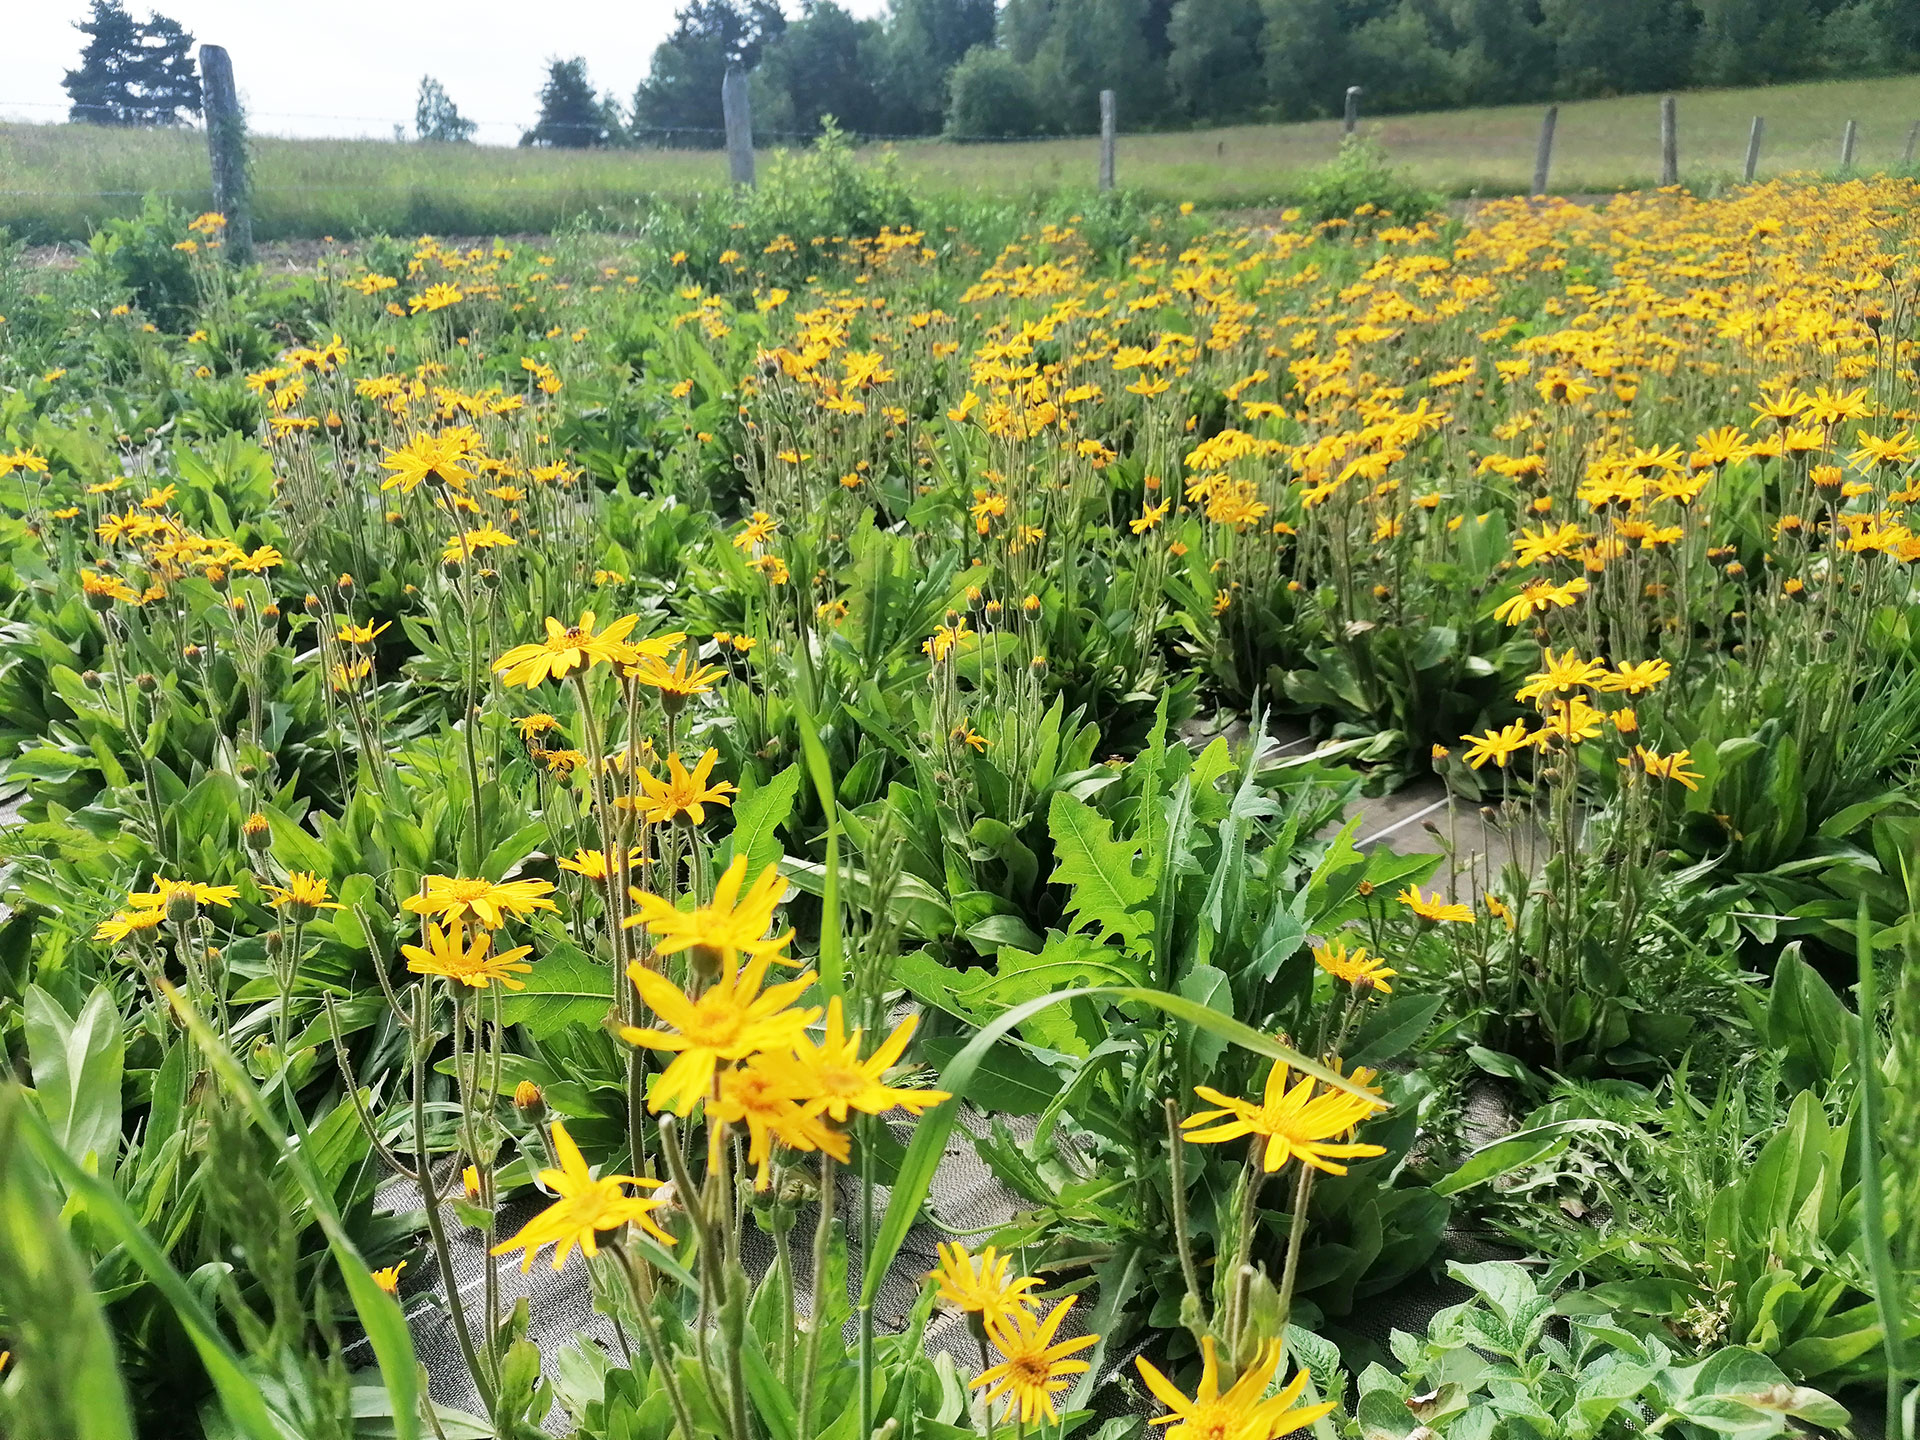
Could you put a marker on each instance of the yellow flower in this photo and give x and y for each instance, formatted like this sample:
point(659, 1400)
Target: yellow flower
point(1432, 907)
point(1535, 597)
point(585, 1206)
point(439, 457)
point(166, 893)
point(978, 1284)
point(388, 1278)
point(1240, 1414)
point(730, 924)
point(1561, 673)
point(731, 1019)
point(683, 794)
point(446, 954)
point(488, 901)
point(1032, 1368)
point(1637, 678)
point(1357, 968)
point(593, 863)
point(835, 1080)
point(767, 1100)
point(679, 680)
point(124, 923)
point(302, 896)
point(1293, 1123)
point(757, 531)
point(568, 648)
point(1497, 745)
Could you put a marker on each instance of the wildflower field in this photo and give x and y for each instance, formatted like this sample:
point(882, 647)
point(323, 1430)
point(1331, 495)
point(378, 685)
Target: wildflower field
point(640, 757)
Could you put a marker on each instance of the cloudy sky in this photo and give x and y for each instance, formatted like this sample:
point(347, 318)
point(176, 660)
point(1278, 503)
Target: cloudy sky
point(352, 67)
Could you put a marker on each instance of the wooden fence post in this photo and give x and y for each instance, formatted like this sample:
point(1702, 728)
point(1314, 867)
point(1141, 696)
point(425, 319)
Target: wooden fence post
point(1753, 146)
point(1353, 110)
point(1846, 144)
point(227, 150)
point(1107, 120)
point(1543, 156)
point(1669, 142)
point(738, 112)
point(1913, 138)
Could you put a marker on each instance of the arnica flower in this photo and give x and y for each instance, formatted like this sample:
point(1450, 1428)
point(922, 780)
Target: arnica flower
point(388, 1277)
point(169, 897)
point(453, 898)
point(1293, 1122)
point(1245, 1412)
point(1033, 1368)
point(730, 1020)
point(447, 954)
point(1560, 674)
point(303, 896)
point(125, 923)
point(769, 1101)
point(585, 1206)
point(1432, 907)
point(429, 457)
point(679, 681)
point(1497, 745)
point(836, 1080)
point(567, 648)
point(980, 1284)
point(682, 794)
point(592, 864)
point(731, 924)
point(1355, 967)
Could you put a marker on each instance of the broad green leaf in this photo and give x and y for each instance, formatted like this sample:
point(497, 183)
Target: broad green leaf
point(565, 987)
point(757, 820)
point(1099, 869)
point(77, 1063)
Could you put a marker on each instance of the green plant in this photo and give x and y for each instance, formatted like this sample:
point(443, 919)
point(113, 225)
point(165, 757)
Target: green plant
point(1362, 187)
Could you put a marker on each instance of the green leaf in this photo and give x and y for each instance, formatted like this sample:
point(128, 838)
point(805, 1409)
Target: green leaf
point(757, 820)
point(1517, 1151)
point(77, 1063)
point(244, 1403)
point(565, 987)
point(957, 1079)
point(831, 920)
point(1099, 869)
point(72, 1380)
point(379, 1315)
point(1807, 1020)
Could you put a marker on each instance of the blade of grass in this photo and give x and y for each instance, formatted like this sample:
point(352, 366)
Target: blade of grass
point(68, 1382)
point(239, 1395)
point(1886, 1296)
point(832, 967)
point(386, 1327)
point(930, 1139)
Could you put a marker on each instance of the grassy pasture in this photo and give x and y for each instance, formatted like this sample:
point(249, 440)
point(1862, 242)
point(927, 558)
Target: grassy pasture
point(61, 180)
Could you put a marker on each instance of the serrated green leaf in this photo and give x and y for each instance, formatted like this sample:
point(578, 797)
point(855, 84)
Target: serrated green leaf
point(1099, 869)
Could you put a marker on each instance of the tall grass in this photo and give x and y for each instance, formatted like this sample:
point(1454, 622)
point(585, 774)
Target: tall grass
point(60, 181)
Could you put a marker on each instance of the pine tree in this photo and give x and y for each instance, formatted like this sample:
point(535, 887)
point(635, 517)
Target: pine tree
point(571, 116)
point(132, 73)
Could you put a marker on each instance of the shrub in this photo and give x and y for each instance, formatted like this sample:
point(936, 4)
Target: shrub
point(1362, 176)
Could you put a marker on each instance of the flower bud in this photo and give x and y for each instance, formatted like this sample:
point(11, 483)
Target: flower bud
point(528, 1100)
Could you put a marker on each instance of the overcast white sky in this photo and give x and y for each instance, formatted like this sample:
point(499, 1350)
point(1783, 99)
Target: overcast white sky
point(352, 67)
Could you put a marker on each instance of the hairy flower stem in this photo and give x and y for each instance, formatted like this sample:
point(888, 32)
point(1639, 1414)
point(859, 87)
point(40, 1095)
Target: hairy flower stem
point(822, 1242)
point(1176, 1164)
point(422, 1043)
point(1296, 1241)
point(650, 1333)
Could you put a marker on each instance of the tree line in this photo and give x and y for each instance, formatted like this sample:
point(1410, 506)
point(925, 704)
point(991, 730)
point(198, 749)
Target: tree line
point(971, 69)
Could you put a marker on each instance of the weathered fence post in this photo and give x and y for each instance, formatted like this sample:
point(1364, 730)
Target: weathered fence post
point(227, 150)
point(1669, 142)
point(1107, 120)
point(738, 112)
point(1753, 146)
point(1543, 156)
point(1353, 110)
point(1847, 139)
point(1913, 139)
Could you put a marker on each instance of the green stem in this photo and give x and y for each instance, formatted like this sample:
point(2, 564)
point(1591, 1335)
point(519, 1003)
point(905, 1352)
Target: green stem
point(822, 1241)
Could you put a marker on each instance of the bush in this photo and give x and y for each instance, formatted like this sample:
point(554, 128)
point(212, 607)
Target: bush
point(140, 254)
point(1361, 177)
point(992, 97)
